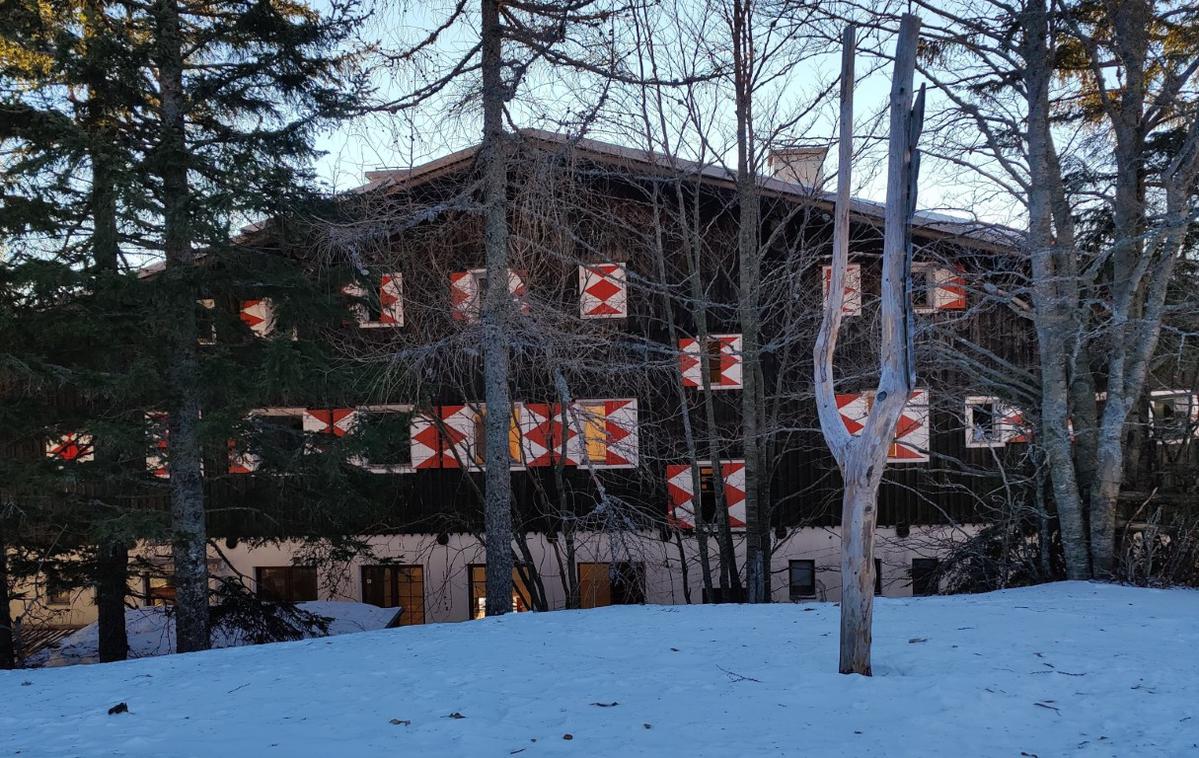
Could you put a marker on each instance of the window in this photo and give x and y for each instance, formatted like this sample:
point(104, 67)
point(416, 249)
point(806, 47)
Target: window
point(286, 584)
point(802, 579)
point(603, 291)
point(924, 576)
point(983, 422)
point(379, 302)
point(718, 360)
point(478, 591)
point(680, 490)
point(924, 287)
point(1173, 415)
point(157, 589)
point(707, 493)
point(396, 586)
point(595, 435)
point(381, 434)
point(878, 576)
point(275, 437)
point(58, 596)
point(602, 584)
point(468, 288)
point(911, 442)
point(206, 321)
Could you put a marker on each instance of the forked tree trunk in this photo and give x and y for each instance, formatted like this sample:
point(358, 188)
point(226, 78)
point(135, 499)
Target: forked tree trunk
point(494, 316)
point(863, 459)
point(188, 540)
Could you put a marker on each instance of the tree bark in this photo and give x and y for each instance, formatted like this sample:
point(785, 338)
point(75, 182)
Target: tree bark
point(495, 313)
point(112, 578)
point(757, 519)
point(189, 541)
point(8, 651)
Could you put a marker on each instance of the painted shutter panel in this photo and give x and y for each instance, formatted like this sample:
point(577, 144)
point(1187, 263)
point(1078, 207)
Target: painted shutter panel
point(680, 496)
point(1013, 427)
point(464, 296)
point(951, 290)
point(730, 360)
point(241, 461)
point(536, 434)
point(690, 362)
point(459, 423)
point(911, 432)
point(156, 459)
point(391, 299)
point(519, 290)
point(336, 421)
point(733, 473)
point(258, 315)
point(72, 446)
point(620, 424)
point(425, 440)
point(854, 407)
point(358, 309)
point(852, 304)
point(603, 291)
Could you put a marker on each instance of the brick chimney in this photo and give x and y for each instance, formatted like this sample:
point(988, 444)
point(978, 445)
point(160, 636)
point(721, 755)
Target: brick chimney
point(802, 164)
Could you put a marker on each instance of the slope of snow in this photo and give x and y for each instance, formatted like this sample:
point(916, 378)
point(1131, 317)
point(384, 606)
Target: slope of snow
point(151, 632)
point(1060, 670)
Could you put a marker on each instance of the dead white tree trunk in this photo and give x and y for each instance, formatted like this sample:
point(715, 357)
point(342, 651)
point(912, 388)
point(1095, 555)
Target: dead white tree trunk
point(862, 459)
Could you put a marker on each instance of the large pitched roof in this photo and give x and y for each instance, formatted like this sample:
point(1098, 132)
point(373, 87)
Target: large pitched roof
point(651, 162)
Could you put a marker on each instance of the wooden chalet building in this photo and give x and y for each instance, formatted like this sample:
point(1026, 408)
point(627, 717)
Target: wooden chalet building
point(626, 370)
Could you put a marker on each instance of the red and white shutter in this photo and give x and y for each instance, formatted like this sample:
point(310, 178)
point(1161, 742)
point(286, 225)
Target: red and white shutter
point(536, 434)
point(680, 496)
point(156, 460)
point(620, 427)
point(391, 299)
point(77, 447)
point(730, 360)
point(464, 296)
point(426, 441)
point(690, 362)
point(458, 425)
point(603, 291)
point(852, 304)
point(733, 473)
point(951, 290)
point(336, 421)
point(357, 293)
point(911, 432)
point(1013, 428)
point(258, 315)
point(519, 289)
point(242, 461)
point(854, 408)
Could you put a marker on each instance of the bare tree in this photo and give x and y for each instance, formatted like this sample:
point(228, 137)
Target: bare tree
point(863, 459)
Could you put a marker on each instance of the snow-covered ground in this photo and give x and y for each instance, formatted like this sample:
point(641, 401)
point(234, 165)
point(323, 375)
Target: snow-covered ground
point(151, 632)
point(1061, 670)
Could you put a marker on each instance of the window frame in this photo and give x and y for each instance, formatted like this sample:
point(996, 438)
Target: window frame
point(390, 572)
point(360, 461)
point(520, 593)
point(290, 582)
point(796, 593)
point(920, 578)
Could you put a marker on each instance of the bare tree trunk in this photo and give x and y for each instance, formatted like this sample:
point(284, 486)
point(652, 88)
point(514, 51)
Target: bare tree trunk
point(1054, 321)
point(863, 459)
point(188, 542)
point(8, 652)
point(757, 523)
point(494, 316)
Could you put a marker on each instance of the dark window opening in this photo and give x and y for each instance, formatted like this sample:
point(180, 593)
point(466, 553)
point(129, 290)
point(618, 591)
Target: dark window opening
point(396, 586)
point(707, 493)
point(478, 591)
point(385, 437)
point(802, 579)
point(58, 595)
point(924, 286)
point(279, 437)
point(924, 576)
point(286, 584)
point(878, 576)
point(603, 584)
point(982, 422)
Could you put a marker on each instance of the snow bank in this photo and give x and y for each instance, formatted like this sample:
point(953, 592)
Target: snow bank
point(1069, 669)
point(152, 632)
